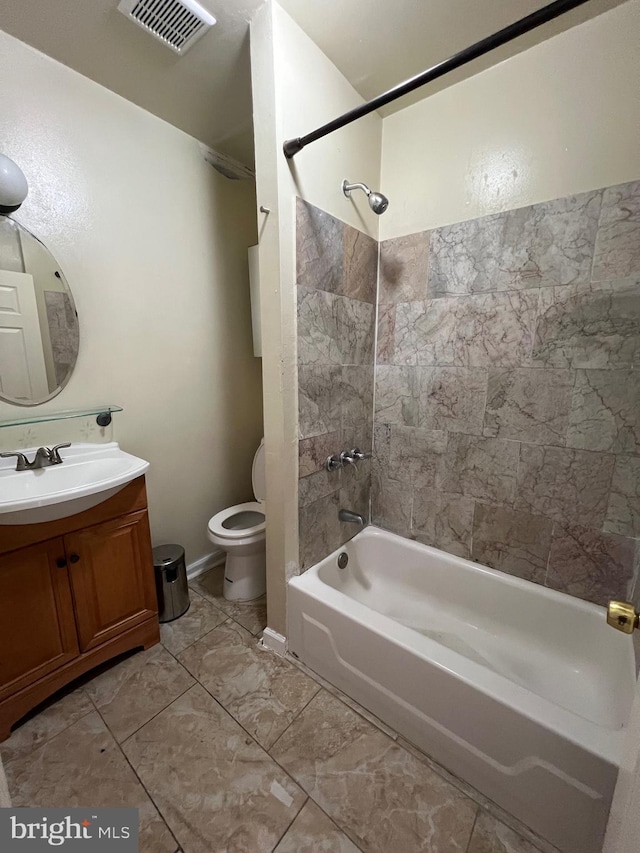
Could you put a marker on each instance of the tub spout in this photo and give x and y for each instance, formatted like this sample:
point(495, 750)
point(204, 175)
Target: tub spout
point(352, 517)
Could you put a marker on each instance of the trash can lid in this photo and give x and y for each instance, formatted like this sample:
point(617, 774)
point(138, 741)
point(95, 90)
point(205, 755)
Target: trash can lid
point(164, 554)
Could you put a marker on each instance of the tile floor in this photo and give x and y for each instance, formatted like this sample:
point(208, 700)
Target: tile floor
point(227, 748)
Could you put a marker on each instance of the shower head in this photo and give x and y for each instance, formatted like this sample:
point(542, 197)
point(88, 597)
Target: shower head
point(377, 202)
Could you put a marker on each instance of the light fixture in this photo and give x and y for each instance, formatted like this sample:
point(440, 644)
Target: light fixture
point(13, 185)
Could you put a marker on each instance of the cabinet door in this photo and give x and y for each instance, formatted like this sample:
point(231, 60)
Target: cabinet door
point(111, 570)
point(37, 627)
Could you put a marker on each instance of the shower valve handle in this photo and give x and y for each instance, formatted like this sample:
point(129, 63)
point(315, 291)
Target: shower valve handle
point(332, 463)
point(358, 455)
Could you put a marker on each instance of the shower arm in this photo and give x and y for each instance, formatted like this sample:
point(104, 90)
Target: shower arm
point(347, 188)
point(292, 146)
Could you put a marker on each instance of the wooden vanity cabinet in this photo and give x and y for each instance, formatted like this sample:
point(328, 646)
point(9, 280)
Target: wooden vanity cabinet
point(73, 593)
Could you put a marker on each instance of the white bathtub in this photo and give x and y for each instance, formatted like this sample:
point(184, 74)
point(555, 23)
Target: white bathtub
point(521, 691)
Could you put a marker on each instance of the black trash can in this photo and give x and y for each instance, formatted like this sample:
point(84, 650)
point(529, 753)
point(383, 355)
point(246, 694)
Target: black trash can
point(171, 582)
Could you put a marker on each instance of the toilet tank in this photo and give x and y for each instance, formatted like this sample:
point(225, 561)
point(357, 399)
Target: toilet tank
point(258, 475)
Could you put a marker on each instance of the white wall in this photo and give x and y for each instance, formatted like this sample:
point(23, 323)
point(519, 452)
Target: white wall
point(153, 244)
point(561, 118)
point(296, 89)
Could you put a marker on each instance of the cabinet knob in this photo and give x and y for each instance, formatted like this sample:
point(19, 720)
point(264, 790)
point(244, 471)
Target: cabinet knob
point(74, 558)
point(61, 562)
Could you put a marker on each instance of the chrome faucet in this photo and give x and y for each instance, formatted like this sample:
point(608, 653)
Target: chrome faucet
point(347, 457)
point(351, 457)
point(351, 517)
point(45, 456)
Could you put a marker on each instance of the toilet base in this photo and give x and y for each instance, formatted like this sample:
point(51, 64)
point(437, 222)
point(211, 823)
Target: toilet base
point(245, 576)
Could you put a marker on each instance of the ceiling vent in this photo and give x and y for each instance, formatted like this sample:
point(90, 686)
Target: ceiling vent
point(177, 23)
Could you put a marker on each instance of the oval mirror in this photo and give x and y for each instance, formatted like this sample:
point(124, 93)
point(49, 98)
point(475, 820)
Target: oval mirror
point(39, 331)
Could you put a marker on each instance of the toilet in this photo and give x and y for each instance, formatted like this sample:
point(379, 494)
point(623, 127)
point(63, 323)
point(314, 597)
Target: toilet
point(240, 531)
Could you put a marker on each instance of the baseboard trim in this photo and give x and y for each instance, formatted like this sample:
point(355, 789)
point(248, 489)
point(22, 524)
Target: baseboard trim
point(274, 642)
point(199, 567)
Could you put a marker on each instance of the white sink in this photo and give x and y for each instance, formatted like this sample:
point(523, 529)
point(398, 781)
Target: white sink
point(89, 474)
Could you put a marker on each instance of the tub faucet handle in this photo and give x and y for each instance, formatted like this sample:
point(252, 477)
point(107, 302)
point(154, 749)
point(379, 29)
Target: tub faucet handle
point(347, 458)
point(332, 463)
point(358, 455)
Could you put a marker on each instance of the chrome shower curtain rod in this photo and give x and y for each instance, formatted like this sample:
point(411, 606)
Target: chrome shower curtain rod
point(524, 25)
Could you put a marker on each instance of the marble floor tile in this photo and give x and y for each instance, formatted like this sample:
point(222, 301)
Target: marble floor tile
point(380, 795)
point(58, 714)
point(491, 836)
point(252, 615)
point(216, 788)
point(313, 832)
point(200, 618)
point(261, 690)
point(499, 814)
point(133, 691)
point(5, 796)
point(335, 691)
point(83, 766)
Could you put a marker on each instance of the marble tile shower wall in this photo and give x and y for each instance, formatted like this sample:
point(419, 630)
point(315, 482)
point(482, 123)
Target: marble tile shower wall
point(507, 423)
point(336, 288)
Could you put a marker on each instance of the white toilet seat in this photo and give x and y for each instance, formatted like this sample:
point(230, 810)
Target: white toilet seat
point(217, 523)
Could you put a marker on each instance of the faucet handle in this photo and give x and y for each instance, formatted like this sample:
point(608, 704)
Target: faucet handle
point(358, 455)
point(54, 453)
point(347, 457)
point(332, 463)
point(22, 463)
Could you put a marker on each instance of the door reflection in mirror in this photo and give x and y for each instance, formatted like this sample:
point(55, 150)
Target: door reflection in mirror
point(39, 330)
